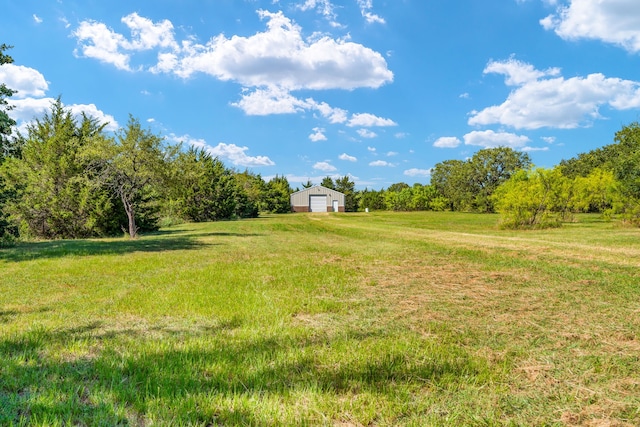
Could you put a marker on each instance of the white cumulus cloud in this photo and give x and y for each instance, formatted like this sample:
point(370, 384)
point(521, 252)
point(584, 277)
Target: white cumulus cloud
point(30, 101)
point(281, 57)
point(100, 42)
point(27, 81)
point(379, 163)
point(540, 99)
point(611, 21)
point(269, 64)
point(318, 135)
point(491, 139)
point(271, 100)
point(235, 154)
point(447, 142)
point(92, 111)
point(238, 155)
point(27, 109)
point(325, 167)
point(517, 72)
point(148, 35)
point(369, 120)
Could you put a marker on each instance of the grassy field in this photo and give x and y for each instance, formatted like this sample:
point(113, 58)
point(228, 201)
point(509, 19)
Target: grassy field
point(326, 319)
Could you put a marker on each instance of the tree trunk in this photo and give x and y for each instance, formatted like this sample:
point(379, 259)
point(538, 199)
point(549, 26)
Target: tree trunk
point(128, 207)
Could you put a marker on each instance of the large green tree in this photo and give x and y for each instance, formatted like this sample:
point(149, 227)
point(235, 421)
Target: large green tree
point(451, 178)
point(626, 168)
point(277, 195)
point(53, 196)
point(327, 182)
point(135, 166)
point(346, 186)
point(371, 199)
point(469, 184)
point(206, 190)
point(254, 187)
point(491, 167)
point(527, 199)
point(611, 172)
point(426, 197)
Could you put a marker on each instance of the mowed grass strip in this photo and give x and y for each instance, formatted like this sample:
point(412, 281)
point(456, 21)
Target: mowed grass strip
point(336, 319)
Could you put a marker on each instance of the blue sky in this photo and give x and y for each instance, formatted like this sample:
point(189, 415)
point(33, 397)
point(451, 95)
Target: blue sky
point(377, 90)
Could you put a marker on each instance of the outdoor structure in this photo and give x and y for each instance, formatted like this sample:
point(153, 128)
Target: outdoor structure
point(317, 199)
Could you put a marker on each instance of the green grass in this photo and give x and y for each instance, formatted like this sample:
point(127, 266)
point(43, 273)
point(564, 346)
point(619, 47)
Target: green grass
point(339, 319)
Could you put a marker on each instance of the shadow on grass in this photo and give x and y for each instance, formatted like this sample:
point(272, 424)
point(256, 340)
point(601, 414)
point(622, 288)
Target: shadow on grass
point(195, 382)
point(227, 234)
point(86, 247)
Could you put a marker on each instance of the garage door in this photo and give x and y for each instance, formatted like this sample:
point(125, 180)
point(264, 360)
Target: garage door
point(318, 203)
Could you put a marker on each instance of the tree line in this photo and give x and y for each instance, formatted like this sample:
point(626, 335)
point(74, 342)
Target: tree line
point(68, 178)
point(501, 180)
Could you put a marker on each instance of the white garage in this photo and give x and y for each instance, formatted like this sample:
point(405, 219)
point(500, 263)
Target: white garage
point(317, 199)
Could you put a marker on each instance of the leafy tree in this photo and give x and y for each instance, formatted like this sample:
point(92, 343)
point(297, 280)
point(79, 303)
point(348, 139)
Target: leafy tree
point(399, 199)
point(468, 185)
point(491, 167)
point(245, 207)
point(347, 187)
point(371, 199)
point(627, 171)
point(134, 167)
point(327, 182)
point(205, 190)
point(54, 198)
point(596, 192)
point(425, 197)
point(537, 198)
point(277, 196)
point(397, 187)
point(524, 201)
point(255, 189)
point(451, 178)
point(205, 187)
point(307, 184)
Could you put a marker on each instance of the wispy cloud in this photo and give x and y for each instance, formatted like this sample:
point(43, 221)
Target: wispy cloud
point(366, 133)
point(365, 10)
point(417, 172)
